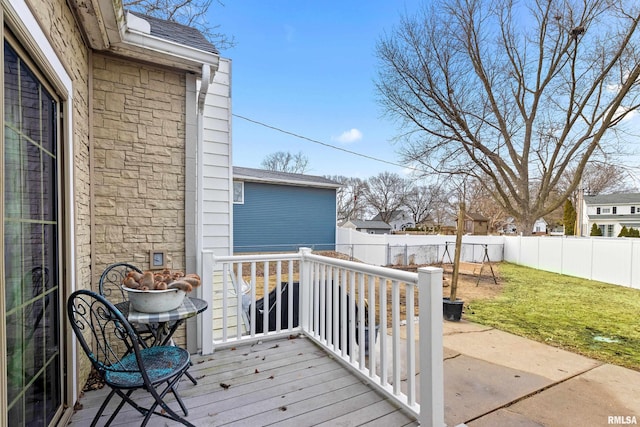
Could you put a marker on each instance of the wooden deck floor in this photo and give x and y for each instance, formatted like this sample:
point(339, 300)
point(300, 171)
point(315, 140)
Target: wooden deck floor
point(290, 382)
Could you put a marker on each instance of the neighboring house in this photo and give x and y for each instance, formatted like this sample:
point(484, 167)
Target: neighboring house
point(367, 226)
point(476, 224)
point(611, 212)
point(539, 227)
point(400, 219)
point(279, 211)
point(555, 229)
point(116, 143)
point(508, 226)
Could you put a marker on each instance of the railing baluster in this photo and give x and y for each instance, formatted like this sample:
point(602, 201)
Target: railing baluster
point(371, 320)
point(410, 360)
point(344, 323)
point(316, 299)
point(383, 333)
point(361, 361)
point(352, 315)
point(395, 333)
point(323, 304)
point(290, 294)
point(335, 310)
point(225, 284)
point(278, 296)
point(253, 299)
point(265, 298)
point(239, 312)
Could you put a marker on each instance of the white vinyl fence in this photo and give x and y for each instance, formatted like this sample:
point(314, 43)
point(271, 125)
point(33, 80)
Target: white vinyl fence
point(605, 259)
point(614, 260)
point(399, 249)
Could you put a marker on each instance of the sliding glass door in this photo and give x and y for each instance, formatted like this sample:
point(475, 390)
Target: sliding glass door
point(31, 236)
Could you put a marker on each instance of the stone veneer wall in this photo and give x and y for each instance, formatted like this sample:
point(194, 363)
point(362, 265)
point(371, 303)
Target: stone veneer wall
point(138, 163)
point(58, 23)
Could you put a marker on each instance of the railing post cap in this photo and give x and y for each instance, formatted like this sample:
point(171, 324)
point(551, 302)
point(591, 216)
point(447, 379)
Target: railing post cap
point(430, 269)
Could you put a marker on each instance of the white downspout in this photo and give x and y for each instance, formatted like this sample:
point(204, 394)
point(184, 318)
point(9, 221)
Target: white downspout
point(207, 78)
point(204, 324)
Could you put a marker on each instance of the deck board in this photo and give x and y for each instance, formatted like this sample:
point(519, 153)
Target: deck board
point(289, 382)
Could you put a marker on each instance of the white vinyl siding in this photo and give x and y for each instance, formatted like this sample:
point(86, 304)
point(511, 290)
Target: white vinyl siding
point(217, 173)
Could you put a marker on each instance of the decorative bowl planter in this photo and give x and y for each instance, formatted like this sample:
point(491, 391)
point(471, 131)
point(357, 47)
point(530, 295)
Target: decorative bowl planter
point(155, 301)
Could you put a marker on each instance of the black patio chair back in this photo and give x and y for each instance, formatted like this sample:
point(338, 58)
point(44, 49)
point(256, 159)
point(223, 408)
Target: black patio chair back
point(115, 353)
point(110, 284)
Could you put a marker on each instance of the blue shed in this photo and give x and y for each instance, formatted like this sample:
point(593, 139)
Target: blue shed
point(279, 211)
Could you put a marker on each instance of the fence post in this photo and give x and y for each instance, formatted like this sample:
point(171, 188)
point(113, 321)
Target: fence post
point(430, 345)
point(305, 290)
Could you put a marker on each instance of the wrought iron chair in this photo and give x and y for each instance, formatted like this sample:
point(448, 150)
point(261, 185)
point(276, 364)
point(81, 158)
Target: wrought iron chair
point(111, 279)
point(115, 353)
point(110, 287)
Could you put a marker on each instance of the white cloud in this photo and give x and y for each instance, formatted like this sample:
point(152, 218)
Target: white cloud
point(630, 115)
point(348, 136)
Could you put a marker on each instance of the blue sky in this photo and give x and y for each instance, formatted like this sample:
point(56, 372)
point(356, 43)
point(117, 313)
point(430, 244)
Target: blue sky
point(309, 68)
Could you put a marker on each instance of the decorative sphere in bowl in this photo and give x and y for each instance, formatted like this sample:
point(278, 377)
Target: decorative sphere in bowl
point(155, 301)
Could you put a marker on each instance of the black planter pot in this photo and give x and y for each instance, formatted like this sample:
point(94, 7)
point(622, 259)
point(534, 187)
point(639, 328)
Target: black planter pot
point(452, 310)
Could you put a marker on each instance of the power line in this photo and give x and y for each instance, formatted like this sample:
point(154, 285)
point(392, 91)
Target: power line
point(315, 141)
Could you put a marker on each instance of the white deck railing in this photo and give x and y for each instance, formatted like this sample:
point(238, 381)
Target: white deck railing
point(334, 302)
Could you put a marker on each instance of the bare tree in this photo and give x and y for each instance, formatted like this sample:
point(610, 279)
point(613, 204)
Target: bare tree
point(422, 200)
point(516, 94)
point(286, 162)
point(385, 193)
point(600, 178)
point(603, 178)
point(187, 12)
point(350, 198)
point(479, 200)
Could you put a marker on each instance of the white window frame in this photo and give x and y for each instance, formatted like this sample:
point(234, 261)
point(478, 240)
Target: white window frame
point(240, 200)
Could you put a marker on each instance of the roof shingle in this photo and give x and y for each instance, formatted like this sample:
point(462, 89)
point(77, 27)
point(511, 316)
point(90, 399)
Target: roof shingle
point(179, 33)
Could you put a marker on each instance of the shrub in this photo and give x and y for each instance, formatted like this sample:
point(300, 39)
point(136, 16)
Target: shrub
point(624, 232)
point(595, 230)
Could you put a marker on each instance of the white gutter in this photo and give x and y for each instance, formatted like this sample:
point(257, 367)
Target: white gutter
point(135, 31)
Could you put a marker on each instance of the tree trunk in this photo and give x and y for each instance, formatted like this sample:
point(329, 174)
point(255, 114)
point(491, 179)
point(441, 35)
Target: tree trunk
point(526, 226)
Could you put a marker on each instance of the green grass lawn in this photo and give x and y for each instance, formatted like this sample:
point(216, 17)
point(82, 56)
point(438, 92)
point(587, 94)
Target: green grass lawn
point(595, 319)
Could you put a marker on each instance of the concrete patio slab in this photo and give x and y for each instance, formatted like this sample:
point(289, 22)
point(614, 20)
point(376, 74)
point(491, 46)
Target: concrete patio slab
point(493, 378)
point(505, 417)
point(603, 396)
point(474, 387)
point(519, 353)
